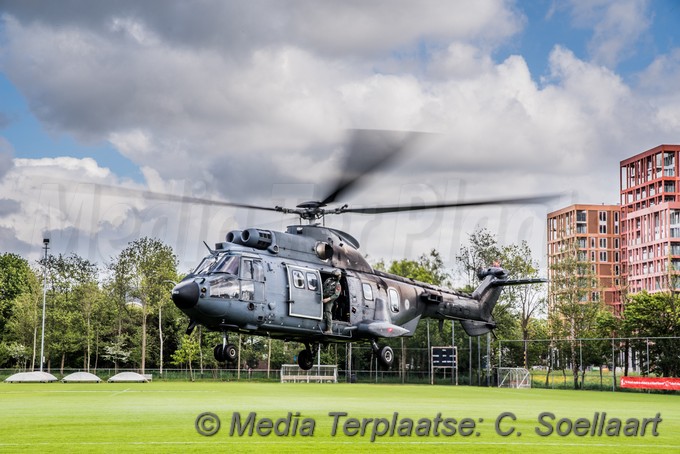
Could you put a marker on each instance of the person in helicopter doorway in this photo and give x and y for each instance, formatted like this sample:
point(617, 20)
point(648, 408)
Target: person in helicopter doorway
point(331, 292)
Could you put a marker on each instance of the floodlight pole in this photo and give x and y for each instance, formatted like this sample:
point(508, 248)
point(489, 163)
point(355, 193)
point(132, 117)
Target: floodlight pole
point(46, 242)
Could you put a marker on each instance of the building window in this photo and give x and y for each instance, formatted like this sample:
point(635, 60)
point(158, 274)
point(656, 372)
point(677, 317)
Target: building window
point(603, 256)
point(675, 223)
point(669, 164)
point(581, 216)
point(603, 243)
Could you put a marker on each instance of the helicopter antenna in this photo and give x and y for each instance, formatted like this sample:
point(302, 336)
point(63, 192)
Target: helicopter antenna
point(212, 251)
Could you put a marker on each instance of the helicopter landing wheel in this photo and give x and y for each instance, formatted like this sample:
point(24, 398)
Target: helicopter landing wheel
point(305, 359)
point(229, 353)
point(225, 353)
point(218, 353)
point(386, 356)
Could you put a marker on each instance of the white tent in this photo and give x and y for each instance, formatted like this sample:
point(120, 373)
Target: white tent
point(124, 377)
point(31, 377)
point(81, 377)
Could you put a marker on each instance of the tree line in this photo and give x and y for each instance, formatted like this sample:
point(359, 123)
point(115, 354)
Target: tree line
point(121, 315)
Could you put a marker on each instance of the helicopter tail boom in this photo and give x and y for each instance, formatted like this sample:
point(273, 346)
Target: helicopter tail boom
point(475, 313)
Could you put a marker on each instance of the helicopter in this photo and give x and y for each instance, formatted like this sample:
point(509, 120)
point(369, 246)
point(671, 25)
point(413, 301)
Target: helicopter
point(270, 283)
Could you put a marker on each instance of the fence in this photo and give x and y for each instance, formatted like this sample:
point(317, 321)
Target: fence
point(591, 363)
point(598, 363)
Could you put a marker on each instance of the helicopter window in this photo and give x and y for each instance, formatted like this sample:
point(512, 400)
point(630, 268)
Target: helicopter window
point(205, 264)
point(228, 264)
point(247, 269)
point(394, 299)
point(252, 269)
point(258, 271)
point(368, 291)
point(312, 281)
point(298, 279)
point(247, 291)
point(226, 287)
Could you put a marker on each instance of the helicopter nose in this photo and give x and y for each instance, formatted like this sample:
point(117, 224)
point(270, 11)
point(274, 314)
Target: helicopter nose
point(185, 294)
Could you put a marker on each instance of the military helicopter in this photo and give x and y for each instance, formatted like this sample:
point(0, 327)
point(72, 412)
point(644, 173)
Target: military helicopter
point(269, 283)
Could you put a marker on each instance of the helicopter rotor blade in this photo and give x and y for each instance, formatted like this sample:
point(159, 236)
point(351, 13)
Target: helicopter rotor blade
point(368, 150)
point(167, 197)
point(432, 206)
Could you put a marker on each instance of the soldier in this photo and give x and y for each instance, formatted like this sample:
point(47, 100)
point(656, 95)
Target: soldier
point(331, 292)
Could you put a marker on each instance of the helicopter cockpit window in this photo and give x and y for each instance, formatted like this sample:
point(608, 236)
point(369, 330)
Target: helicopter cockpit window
point(394, 299)
point(206, 264)
point(312, 281)
point(368, 291)
point(224, 287)
point(298, 279)
point(228, 264)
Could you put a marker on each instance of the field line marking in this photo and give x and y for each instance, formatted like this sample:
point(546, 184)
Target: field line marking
point(120, 392)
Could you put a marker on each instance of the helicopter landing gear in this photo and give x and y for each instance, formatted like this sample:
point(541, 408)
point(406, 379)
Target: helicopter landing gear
point(385, 354)
point(305, 358)
point(225, 351)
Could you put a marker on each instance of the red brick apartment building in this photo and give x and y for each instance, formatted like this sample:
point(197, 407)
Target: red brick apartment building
point(633, 246)
point(596, 231)
point(650, 215)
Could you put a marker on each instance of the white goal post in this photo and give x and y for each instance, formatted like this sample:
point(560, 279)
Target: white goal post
point(317, 374)
point(514, 377)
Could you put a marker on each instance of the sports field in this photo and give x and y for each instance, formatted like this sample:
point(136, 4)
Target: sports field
point(328, 418)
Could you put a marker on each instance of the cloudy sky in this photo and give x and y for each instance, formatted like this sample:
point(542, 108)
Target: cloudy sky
point(250, 102)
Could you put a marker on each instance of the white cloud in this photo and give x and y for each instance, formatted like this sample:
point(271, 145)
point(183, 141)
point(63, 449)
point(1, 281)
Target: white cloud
point(617, 26)
point(250, 106)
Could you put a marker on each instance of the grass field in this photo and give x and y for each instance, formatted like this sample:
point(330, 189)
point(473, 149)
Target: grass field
point(161, 417)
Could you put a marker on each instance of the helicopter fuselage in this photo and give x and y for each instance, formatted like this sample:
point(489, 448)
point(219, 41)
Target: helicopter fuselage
point(270, 283)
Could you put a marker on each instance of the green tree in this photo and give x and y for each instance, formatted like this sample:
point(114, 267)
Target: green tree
point(429, 268)
point(187, 353)
point(482, 251)
point(145, 270)
point(73, 288)
point(24, 324)
point(518, 306)
point(16, 278)
point(524, 302)
point(117, 352)
point(657, 315)
point(574, 312)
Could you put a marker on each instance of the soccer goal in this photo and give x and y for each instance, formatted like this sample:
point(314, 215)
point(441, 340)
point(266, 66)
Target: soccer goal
point(317, 374)
point(514, 377)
